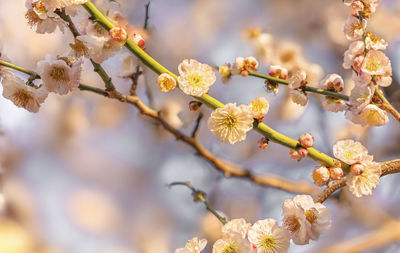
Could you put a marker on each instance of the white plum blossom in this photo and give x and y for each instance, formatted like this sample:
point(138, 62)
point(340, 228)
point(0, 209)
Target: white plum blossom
point(356, 49)
point(239, 226)
point(166, 82)
point(376, 63)
point(22, 95)
point(321, 175)
point(374, 42)
point(298, 79)
point(60, 74)
point(354, 28)
point(361, 96)
point(259, 107)
point(333, 104)
point(268, 237)
point(349, 151)
point(58, 4)
point(231, 123)
point(195, 78)
point(194, 245)
point(299, 97)
point(332, 82)
point(100, 48)
point(372, 115)
point(232, 243)
point(362, 183)
point(305, 219)
point(361, 79)
point(42, 18)
point(128, 67)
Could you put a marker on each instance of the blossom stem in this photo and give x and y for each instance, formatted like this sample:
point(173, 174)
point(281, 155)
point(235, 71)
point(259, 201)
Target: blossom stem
point(268, 132)
point(386, 105)
point(200, 196)
point(306, 88)
point(33, 74)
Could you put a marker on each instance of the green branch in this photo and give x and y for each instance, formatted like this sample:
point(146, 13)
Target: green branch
point(306, 88)
point(213, 103)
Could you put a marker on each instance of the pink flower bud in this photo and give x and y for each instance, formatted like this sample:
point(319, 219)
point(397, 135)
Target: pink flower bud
point(224, 70)
point(336, 173)
point(357, 169)
point(118, 34)
point(302, 151)
point(263, 143)
point(321, 175)
point(294, 155)
point(138, 39)
point(278, 71)
point(194, 106)
point(306, 140)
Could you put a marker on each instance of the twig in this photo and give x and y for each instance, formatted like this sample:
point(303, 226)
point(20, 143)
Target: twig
point(197, 125)
point(200, 196)
point(146, 17)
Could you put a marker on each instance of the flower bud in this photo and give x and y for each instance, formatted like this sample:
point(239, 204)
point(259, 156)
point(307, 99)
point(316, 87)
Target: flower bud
point(278, 71)
point(302, 151)
point(194, 106)
point(336, 173)
point(321, 175)
point(294, 155)
point(138, 40)
point(224, 70)
point(118, 34)
point(166, 82)
point(306, 140)
point(357, 168)
point(263, 143)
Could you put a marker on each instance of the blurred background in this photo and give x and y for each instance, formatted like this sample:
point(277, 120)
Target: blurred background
point(88, 174)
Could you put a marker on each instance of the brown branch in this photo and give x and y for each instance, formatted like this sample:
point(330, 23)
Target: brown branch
point(388, 233)
point(391, 110)
point(388, 167)
point(227, 168)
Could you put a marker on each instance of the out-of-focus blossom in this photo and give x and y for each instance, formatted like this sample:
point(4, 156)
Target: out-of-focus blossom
point(268, 237)
point(58, 4)
point(22, 95)
point(336, 173)
point(234, 243)
point(100, 48)
point(321, 175)
point(60, 74)
point(239, 226)
point(194, 106)
point(364, 181)
point(194, 245)
point(354, 28)
point(298, 79)
point(349, 151)
point(278, 71)
point(262, 143)
point(225, 71)
point(42, 18)
point(305, 219)
point(129, 64)
point(195, 78)
point(374, 42)
point(166, 82)
point(244, 65)
point(259, 107)
point(231, 123)
point(299, 97)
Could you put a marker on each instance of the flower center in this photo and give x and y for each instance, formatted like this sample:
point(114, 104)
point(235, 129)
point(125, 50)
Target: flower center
point(230, 121)
point(58, 74)
point(311, 216)
point(22, 97)
point(40, 6)
point(292, 224)
point(231, 248)
point(195, 80)
point(268, 242)
point(372, 65)
point(32, 18)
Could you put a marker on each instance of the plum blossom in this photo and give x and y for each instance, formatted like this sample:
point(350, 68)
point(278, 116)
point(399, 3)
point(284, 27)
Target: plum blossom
point(305, 219)
point(259, 107)
point(278, 71)
point(356, 50)
point(299, 97)
point(42, 18)
point(268, 237)
point(374, 42)
point(361, 181)
point(166, 82)
point(232, 243)
point(231, 123)
point(236, 226)
point(195, 78)
point(244, 65)
point(354, 28)
point(60, 74)
point(376, 63)
point(22, 95)
point(349, 151)
point(194, 245)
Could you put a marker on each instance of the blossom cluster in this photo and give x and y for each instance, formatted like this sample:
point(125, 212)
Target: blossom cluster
point(302, 221)
point(371, 67)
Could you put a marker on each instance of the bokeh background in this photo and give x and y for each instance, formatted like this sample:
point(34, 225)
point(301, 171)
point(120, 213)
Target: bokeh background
point(87, 174)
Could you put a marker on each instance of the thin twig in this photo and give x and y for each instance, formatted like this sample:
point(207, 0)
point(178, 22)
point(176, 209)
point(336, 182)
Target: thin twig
point(200, 196)
point(146, 17)
point(197, 125)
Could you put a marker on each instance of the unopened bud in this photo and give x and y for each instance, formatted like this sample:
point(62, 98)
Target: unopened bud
point(294, 155)
point(302, 151)
point(321, 175)
point(357, 168)
point(224, 70)
point(166, 82)
point(263, 143)
point(138, 39)
point(306, 140)
point(278, 71)
point(336, 173)
point(118, 34)
point(194, 106)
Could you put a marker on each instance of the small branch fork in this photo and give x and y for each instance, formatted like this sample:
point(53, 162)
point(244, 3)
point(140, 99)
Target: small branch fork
point(200, 196)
